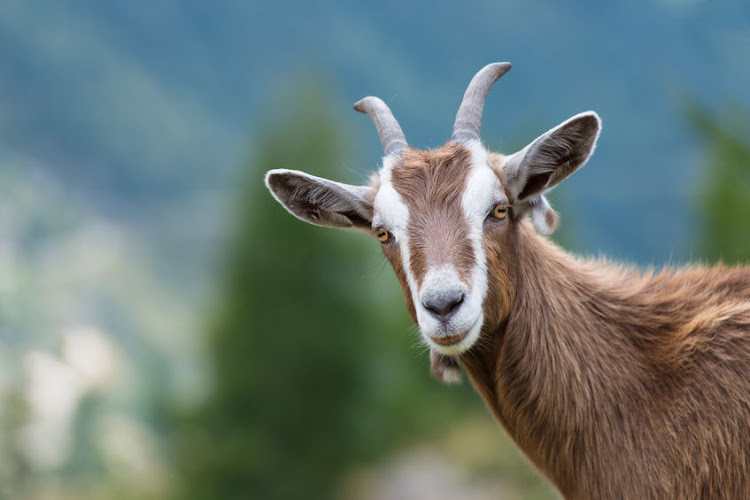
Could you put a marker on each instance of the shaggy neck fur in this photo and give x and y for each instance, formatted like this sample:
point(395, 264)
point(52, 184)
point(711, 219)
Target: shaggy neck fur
point(612, 382)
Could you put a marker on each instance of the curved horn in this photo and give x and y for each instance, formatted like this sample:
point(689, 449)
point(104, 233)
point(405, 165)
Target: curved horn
point(469, 117)
point(391, 136)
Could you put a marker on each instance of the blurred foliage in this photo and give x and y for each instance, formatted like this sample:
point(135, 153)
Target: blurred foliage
point(15, 473)
point(724, 203)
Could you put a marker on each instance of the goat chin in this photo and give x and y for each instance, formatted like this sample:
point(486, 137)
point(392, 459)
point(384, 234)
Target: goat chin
point(445, 368)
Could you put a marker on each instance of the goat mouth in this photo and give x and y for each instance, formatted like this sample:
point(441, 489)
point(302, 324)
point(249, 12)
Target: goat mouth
point(454, 341)
point(449, 339)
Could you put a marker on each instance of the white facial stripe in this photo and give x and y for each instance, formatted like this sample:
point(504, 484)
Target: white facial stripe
point(393, 214)
point(390, 210)
point(482, 186)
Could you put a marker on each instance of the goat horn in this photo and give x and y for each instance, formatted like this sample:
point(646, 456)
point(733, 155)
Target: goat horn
point(469, 117)
point(391, 136)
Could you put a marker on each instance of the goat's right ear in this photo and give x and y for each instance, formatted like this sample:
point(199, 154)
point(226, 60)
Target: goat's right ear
point(551, 157)
point(320, 201)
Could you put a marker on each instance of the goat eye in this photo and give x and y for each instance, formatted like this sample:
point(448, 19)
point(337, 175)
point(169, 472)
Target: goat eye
point(382, 235)
point(500, 211)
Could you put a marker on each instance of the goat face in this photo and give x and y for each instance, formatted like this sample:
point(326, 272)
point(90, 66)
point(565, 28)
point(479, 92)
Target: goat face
point(446, 218)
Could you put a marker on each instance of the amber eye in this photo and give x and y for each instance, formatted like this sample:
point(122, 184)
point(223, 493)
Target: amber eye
point(382, 235)
point(500, 211)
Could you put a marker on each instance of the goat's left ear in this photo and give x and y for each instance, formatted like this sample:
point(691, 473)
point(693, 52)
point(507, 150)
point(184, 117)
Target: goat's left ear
point(320, 201)
point(551, 157)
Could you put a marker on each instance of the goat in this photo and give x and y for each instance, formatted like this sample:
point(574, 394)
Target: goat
point(615, 383)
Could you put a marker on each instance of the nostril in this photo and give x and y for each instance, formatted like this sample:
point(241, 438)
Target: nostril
point(443, 305)
point(455, 304)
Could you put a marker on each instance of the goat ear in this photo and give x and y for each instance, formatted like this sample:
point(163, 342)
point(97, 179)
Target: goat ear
point(551, 157)
point(320, 201)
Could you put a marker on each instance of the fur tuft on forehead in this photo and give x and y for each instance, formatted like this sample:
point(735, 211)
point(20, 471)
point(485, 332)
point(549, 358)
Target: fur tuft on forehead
point(438, 174)
point(432, 184)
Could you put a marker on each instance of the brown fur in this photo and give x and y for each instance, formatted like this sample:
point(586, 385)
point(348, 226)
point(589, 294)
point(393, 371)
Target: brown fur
point(393, 254)
point(431, 184)
point(615, 383)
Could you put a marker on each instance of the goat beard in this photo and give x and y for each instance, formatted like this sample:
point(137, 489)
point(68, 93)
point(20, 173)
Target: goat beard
point(444, 368)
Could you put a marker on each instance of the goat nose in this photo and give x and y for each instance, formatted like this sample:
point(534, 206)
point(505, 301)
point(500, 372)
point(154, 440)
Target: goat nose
point(443, 305)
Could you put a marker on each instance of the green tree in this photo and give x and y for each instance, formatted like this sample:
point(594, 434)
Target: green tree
point(286, 342)
point(724, 209)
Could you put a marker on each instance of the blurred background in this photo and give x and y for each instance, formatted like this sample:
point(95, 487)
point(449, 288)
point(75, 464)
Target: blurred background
point(168, 331)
